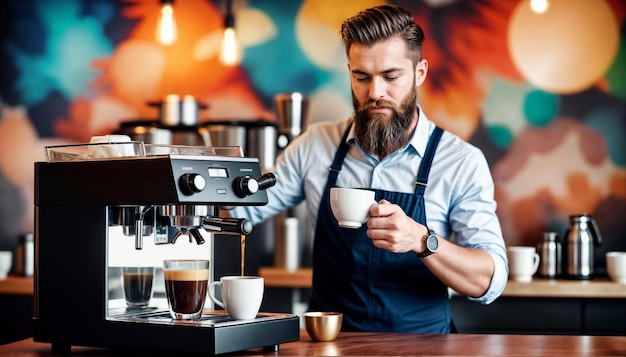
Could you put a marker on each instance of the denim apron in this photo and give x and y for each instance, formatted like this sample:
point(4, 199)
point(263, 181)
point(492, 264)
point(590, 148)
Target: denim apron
point(375, 289)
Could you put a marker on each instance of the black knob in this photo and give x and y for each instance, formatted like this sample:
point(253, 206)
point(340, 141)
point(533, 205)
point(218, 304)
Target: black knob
point(192, 183)
point(245, 186)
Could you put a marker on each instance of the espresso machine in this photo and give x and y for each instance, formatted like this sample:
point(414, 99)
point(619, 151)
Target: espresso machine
point(103, 205)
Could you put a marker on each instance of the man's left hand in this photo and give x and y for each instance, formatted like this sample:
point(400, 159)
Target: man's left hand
point(391, 229)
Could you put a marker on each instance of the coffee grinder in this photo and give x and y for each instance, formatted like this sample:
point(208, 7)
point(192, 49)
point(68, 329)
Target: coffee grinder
point(101, 206)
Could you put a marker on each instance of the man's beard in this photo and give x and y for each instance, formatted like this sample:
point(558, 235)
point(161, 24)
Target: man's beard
point(383, 134)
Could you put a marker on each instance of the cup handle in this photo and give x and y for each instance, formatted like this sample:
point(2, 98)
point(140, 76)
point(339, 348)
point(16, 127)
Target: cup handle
point(535, 262)
point(212, 297)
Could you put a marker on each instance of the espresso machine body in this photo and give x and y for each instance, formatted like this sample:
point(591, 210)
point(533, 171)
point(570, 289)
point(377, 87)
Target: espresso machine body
point(76, 211)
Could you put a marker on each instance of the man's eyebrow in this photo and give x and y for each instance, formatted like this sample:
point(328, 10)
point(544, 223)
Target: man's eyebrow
point(387, 71)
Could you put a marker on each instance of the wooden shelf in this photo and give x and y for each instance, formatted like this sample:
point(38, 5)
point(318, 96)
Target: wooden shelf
point(17, 285)
point(281, 278)
point(561, 288)
point(545, 288)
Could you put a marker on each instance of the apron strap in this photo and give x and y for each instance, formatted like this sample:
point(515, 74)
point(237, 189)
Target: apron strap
point(424, 170)
point(340, 155)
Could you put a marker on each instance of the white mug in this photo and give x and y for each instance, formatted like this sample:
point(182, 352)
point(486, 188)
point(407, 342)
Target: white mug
point(351, 206)
point(242, 295)
point(6, 261)
point(523, 263)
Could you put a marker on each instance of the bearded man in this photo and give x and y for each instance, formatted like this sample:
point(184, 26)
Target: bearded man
point(434, 226)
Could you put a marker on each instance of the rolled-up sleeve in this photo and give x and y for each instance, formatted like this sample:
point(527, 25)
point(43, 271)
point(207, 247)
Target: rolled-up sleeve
point(475, 223)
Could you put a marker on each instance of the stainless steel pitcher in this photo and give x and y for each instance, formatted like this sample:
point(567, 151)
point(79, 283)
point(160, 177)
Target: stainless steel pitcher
point(550, 253)
point(581, 237)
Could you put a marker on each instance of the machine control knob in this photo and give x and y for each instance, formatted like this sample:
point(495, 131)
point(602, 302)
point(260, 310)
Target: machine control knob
point(192, 183)
point(245, 186)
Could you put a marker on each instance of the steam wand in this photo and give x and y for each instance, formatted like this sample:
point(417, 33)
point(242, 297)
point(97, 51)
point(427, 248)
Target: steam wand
point(139, 227)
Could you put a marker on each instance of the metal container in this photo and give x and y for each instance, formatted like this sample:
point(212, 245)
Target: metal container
point(177, 124)
point(24, 262)
point(550, 256)
point(292, 113)
point(257, 138)
point(581, 237)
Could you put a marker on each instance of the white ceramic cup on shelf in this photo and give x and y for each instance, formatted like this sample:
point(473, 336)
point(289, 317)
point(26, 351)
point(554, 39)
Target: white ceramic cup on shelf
point(351, 206)
point(616, 266)
point(523, 263)
point(6, 261)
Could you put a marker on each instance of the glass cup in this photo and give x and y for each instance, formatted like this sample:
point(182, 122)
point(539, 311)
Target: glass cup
point(137, 285)
point(186, 284)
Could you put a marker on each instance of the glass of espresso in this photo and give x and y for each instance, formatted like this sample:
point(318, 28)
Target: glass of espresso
point(186, 284)
point(137, 285)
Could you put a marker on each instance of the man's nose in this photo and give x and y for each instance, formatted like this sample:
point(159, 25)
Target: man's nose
point(377, 89)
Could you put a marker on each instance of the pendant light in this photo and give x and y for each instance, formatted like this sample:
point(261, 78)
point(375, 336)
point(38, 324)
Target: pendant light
point(166, 26)
point(229, 54)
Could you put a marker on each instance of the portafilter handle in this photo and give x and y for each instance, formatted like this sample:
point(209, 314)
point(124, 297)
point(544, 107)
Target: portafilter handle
point(227, 225)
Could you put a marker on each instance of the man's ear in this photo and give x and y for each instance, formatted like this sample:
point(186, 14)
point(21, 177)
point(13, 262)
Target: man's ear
point(421, 71)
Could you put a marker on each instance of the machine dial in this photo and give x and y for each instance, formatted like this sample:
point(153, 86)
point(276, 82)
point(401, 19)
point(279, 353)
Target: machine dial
point(192, 183)
point(245, 186)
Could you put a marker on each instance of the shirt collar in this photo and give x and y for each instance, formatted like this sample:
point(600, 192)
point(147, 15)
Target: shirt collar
point(420, 137)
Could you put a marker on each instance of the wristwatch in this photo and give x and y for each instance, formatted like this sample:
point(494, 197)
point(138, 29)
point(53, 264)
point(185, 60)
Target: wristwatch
point(431, 243)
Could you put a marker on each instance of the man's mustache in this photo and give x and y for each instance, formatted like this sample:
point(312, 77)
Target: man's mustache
point(377, 104)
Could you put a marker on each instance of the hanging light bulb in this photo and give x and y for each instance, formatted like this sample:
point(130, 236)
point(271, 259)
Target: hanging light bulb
point(539, 6)
point(166, 26)
point(229, 55)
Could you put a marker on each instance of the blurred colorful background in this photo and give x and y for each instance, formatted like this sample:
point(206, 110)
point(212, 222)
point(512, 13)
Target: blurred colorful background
point(543, 94)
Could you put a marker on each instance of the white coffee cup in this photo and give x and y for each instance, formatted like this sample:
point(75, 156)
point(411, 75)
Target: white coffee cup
point(523, 263)
point(351, 206)
point(6, 261)
point(241, 295)
point(616, 266)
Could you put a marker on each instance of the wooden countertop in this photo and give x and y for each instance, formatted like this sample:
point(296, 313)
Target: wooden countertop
point(546, 288)
point(17, 285)
point(395, 344)
point(301, 278)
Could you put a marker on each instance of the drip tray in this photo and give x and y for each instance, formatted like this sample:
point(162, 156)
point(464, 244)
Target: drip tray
point(214, 333)
point(209, 318)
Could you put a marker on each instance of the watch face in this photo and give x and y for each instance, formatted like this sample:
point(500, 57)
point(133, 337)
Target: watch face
point(432, 242)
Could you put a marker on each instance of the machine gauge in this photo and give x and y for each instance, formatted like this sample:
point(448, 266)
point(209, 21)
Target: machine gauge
point(218, 172)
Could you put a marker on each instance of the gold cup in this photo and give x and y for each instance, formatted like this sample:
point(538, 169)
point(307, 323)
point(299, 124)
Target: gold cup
point(323, 326)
